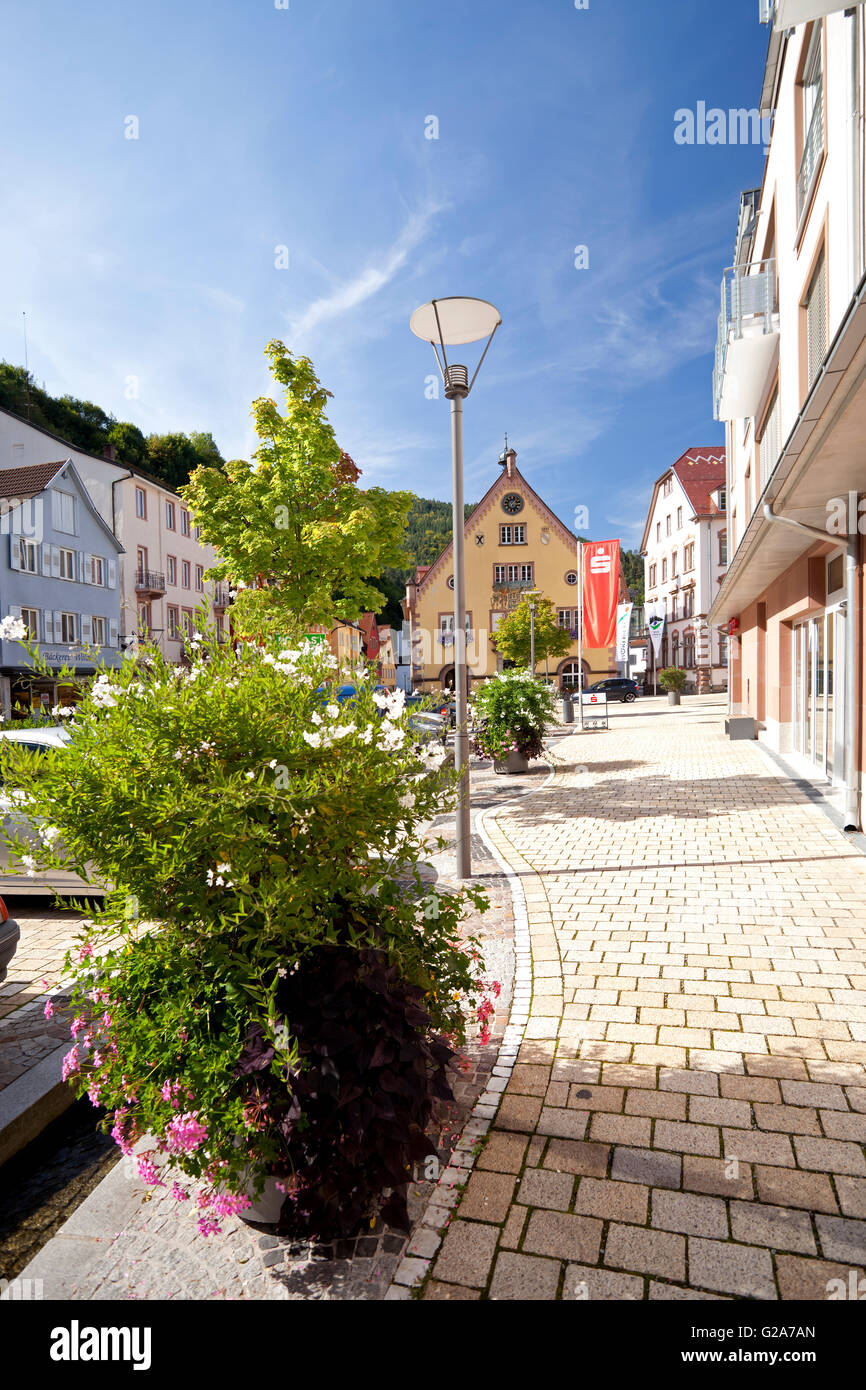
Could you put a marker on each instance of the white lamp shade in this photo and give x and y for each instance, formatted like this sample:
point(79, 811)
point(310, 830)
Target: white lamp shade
point(460, 321)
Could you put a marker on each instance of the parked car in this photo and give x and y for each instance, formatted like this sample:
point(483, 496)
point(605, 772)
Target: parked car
point(14, 820)
point(10, 935)
point(616, 688)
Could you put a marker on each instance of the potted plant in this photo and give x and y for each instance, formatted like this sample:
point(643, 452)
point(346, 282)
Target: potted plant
point(510, 714)
point(263, 1002)
point(673, 680)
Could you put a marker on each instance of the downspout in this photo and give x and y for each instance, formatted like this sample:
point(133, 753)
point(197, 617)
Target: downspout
point(122, 479)
point(852, 655)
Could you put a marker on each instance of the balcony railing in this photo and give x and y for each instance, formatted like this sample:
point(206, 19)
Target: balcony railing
point(221, 597)
point(747, 334)
point(512, 585)
point(149, 582)
point(812, 151)
point(766, 10)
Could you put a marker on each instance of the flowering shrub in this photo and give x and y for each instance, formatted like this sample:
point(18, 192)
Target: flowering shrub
point(248, 827)
point(511, 713)
point(672, 678)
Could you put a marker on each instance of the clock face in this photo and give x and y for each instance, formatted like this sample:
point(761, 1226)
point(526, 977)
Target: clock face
point(512, 503)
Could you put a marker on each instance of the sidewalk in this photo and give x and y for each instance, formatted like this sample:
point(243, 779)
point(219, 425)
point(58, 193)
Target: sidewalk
point(687, 1115)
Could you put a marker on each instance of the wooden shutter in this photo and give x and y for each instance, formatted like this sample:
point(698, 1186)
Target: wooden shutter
point(86, 627)
point(48, 624)
point(55, 561)
point(15, 552)
point(816, 318)
point(112, 633)
point(112, 574)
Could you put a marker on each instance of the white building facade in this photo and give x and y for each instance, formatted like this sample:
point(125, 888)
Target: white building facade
point(684, 547)
point(162, 567)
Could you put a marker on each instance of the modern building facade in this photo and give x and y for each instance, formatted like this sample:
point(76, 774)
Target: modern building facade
point(60, 575)
point(790, 384)
point(163, 564)
point(684, 547)
point(514, 544)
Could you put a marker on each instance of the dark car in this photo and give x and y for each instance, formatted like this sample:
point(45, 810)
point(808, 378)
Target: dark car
point(616, 688)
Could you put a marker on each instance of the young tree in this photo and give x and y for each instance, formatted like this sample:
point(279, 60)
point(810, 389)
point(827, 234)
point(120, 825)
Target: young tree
point(294, 531)
point(513, 635)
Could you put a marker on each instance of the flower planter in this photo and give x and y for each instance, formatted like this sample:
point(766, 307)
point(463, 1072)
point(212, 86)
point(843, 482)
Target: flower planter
point(673, 697)
point(265, 1209)
point(515, 762)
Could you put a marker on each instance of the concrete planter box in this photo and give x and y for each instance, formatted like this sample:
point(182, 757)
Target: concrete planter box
point(515, 762)
point(741, 726)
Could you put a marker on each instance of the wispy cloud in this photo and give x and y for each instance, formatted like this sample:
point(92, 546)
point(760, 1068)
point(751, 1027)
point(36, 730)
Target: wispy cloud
point(371, 280)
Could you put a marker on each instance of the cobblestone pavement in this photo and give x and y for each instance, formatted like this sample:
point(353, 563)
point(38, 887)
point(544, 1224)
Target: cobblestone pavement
point(26, 1036)
point(686, 1116)
point(127, 1241)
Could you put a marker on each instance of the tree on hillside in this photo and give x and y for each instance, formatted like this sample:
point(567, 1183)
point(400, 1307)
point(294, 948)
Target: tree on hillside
point(632, 568)
point(129, 444)
point(293, 528)
point(513, 635)
point(173, 458)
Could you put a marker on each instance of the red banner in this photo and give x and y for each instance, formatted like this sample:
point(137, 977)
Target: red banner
point(600, 593)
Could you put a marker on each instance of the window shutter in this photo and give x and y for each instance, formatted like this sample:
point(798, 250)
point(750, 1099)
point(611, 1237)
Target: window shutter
point(55, 561)
point(14, 553)
point(816, 318)
point(48, 624)
point(112, 633)
point(46, 558)
point(83, 577)
point(14, 610)
point(86, 628)
point(58, 625)
point(112, 574)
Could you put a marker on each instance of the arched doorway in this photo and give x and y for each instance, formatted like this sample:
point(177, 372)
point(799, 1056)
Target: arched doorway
point(567, 675)
point(446, 678)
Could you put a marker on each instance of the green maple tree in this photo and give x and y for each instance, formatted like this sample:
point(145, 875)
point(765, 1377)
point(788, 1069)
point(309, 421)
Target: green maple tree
point(293, 530)
point(513, 635)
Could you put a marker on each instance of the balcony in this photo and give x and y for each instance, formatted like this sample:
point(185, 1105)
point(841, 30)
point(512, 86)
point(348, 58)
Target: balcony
point(786, 14)
point(149, 582)
point(220, 598)
point(747, 340)
point(509, 586)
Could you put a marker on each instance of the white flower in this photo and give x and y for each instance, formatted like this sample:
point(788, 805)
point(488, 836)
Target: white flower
point(333, 711)
point(12, 629)
point(30, 865)
point(49, 834)
point(314, 740)
point(101, 693)
point(315, 717)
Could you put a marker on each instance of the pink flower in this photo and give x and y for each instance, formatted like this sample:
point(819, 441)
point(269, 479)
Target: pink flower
point(49, 1009)
point(497, 989)
point(86, 951)
point(71, 1064)
point(179, 1193)
point(76, 1026)
point(485, 1036)
point(208, 1227)
point(148, 1172)
point(184, 1134)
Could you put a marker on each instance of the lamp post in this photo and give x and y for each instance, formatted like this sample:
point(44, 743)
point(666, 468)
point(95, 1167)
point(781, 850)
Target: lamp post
point(448, 323)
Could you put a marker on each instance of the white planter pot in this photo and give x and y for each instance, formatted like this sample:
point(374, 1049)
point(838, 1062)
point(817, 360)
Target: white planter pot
point(673, 697)
point(515, 762)
point(265, 1210)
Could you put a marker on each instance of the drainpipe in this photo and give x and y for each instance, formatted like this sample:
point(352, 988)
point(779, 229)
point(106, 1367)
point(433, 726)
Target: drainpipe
point(121, 479)
point(852, 663)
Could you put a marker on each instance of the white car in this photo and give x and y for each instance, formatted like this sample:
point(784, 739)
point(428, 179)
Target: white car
point(52, 736)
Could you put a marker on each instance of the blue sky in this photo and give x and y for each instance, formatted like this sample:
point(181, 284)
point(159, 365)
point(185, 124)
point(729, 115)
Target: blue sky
point(304, 127)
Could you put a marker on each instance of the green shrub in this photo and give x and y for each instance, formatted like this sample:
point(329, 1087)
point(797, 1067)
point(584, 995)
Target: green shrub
point(511, 712)
point(672, 678)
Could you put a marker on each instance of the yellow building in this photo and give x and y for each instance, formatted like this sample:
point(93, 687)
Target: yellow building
point(343, 640)
point(514, 543)
point(387, 659)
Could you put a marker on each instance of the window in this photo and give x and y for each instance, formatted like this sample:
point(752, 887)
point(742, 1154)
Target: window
point(499, 574)
point(199, 578)
point(197, 532)
point(68, 622)
point(689, 557)
point(526, 574)
point(97, 569)
point(184, 521)
point(675, 649)
point(67, 563)
point(667, 526)
point(768, 441)
point(512, 535)
point(666, 487)
point(567, 618)
point(30, 619)
point(835, 578)
point(674, 565)
point(723, 547)
point(658, 530)
point(653, 571)
point(140, 503)
point(27, 558)
point(144, 617)
point(816, 320)
point(664, 571)
point(571, 577)
point(812, 111)
point(674, 613)
point(679, 518)
point(173, 619)
point(689, 651)
point(142, 560)
point(689, 603)
point(98, 629)
point(184, 574)
point(169, 516)
point(723, 649)
point(171, 567)
point(63, 512)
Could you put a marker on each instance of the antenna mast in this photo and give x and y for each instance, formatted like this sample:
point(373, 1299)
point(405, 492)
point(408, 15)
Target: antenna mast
point(26, 365)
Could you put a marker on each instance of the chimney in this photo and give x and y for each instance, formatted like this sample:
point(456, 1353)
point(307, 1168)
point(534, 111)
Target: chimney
point(109, 453)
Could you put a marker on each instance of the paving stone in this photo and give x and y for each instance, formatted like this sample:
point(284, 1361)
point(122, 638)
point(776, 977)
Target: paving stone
point(842, 1239)
point(467, 1253)
point(503, 1152)
point(758, 1146)
point(686, 1138)
point(524, 1277)
point(647, 1166)
point(817, 1094)
point(518, 1112)
point(692, 1082)
point(562, 1236)
point(838, 1124)
point(744, 1270)
point(540, 1187)
point(598, 1285)
point(852, 1195)
point(576, 1156)
point(788, 1119)
point(712, 1110)
point(583, 1097)
point(665, 1105)
point(529, 1080)
point(513, 1228)
point(688, 1214)
point(750, 1088)
point(617, 1201)
point(813, 1280)
point(790, 1068)
point(781, 1228)
point(793, 1188)
point(636, 1248)
point(563, 1124)
point(675, 1293)
point(487, 1197)
point(635, 1130)
point(831, 1156)
point(717, 1177)
point(436, 1290)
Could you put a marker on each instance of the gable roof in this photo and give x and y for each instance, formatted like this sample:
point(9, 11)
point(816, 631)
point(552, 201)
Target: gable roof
point(504, 483)
point(28, 480)
point(700, 471)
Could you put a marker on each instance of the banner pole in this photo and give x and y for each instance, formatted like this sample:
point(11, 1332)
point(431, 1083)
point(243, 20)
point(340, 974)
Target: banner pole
point(580, 633)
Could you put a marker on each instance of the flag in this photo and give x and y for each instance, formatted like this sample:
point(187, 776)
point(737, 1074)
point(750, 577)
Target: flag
point(655, 616)
point(600, 591)
point(623, 630)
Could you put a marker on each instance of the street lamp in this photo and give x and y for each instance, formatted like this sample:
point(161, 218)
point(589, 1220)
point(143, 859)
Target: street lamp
point(450, 323)
point(531, 596)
